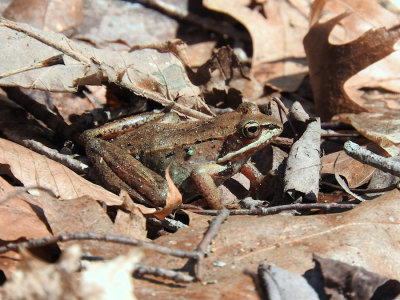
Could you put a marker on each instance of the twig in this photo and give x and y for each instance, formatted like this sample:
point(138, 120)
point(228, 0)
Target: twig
point(280, 104)
point(211, 232)
point(367, 157)
point(98, 237)
point(55, 60)
point(24, 190)
point(331, 133)
point(198, 254)
point(261, 211)
point(141, 270)
point(362, 191)
point(67, 160)
point(168, 223)
point(283, 142)
point(29, 31)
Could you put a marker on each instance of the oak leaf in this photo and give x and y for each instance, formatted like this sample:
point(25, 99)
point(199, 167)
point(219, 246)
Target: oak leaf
point(332, 65)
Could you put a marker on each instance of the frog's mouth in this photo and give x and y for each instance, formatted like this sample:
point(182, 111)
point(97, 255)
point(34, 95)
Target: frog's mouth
point(265, 137)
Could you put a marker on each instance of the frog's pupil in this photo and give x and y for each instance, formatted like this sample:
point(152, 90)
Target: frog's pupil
point(253, 129)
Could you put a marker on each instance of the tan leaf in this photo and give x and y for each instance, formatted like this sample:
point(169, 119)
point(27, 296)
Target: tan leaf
point(174, 198)
point(364, 15)
point(289, 242)
point(34, 169)
point(381, 128)
point(276, 32)
point(131, 224)
point(21, 64)
point(355, 172)
point(86, 215)
point(19, 219)
point(108, 24)
point(19, 213)
point(332, 65)
point(53, 15)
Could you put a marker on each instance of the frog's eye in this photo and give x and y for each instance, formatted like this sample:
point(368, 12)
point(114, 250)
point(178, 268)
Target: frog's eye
point(251, 129)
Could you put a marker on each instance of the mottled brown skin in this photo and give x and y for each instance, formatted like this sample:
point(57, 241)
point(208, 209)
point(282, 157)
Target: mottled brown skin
point(205, 153)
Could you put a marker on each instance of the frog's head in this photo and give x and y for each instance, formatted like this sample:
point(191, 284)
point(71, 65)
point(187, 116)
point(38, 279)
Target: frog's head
point(254, 131)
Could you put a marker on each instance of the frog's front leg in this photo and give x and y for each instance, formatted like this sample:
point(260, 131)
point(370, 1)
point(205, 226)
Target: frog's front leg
point(203, 177)
point(117, 169)
point(259, 183)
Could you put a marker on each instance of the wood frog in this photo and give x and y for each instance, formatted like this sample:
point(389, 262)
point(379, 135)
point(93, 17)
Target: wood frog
point(201, 154)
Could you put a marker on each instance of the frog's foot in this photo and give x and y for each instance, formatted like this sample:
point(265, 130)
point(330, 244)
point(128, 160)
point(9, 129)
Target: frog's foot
point(261, 186)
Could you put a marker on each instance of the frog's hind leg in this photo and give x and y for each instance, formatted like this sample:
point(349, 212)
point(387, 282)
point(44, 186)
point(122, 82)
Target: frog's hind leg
point(117, 169)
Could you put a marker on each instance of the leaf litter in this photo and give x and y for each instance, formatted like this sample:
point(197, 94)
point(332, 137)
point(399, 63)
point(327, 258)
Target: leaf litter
point(337, 47)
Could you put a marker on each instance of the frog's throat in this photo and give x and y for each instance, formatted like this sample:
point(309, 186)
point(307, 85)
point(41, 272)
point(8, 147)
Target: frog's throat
point(262, 141)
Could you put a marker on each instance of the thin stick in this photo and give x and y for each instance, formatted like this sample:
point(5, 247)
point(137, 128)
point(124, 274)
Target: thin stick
point(24, 190)
point(211, 232)
point(98, 237)
point(198, 254)
point(141, 270)
point(29, 31)
point(277, 209)
point(167, 223)
point(67, 160)
point(367, 157)
point(361, 191)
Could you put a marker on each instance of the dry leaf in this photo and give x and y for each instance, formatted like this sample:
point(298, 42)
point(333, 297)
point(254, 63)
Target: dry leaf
point(131, 224)
point(174, 198)
point(381, 128)
point(86, 215)
point(52, 15)
point(283, 284)
point(20, 219)
point(287, 241)
point(365, 15)
point(120, 25)
point(303, 165)
point(52, 62)
point(332, 65)
point(99, 280)
point(362, 285)
point(276, 32)
point(34, 169)
point(355, 172)
point(199, 53)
